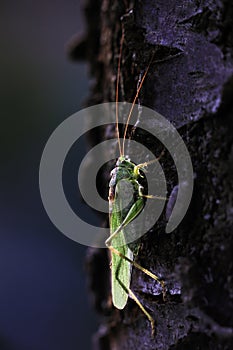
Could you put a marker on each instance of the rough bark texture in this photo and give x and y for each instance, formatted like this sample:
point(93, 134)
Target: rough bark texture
point(191, 84)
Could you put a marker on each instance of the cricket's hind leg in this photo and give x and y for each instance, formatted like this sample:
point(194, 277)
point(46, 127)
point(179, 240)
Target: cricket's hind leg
point(139, 267)
point(133, 296)
point(150, 318)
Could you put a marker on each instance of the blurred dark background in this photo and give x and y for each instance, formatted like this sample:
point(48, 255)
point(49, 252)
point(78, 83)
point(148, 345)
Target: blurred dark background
point(43, 294)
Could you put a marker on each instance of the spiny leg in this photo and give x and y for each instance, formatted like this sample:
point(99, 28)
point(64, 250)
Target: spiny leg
point(151, 196)
point(133, 296)
point(150, 318)
point(139, 267)
point(143, 165)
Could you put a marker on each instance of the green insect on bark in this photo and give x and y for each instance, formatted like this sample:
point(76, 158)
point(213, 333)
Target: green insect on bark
point(120, 215)
point(119, 218)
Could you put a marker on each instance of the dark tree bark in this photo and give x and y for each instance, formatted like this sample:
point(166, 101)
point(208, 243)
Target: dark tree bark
point(191, 84)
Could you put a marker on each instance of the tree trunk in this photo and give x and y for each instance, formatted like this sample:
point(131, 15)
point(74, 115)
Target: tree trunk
point(191, 84)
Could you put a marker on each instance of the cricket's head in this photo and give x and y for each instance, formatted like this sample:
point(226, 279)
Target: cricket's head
point(127, 166)
point(124, 162)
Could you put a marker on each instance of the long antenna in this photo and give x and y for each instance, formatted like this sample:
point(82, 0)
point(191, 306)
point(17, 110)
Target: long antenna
point(117, 92)
point(135, 98)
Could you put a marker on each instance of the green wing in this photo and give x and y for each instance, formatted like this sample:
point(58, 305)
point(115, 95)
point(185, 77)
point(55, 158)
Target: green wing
point(121, 214)
point(121, 269)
